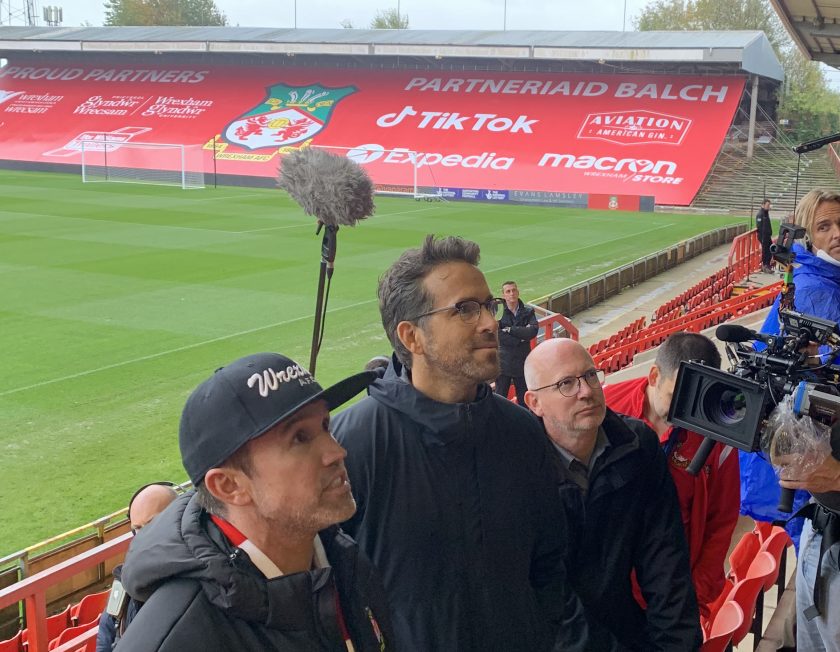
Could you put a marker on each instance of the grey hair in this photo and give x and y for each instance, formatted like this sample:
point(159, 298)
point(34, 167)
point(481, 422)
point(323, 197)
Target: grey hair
point(685, 346)
point(241, 460)
point(807, 207)
point(402, 294)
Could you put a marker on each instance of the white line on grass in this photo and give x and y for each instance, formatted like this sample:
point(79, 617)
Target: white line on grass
point(160, 354)
point(295, 226)
point(222, 338)
point(570, 251)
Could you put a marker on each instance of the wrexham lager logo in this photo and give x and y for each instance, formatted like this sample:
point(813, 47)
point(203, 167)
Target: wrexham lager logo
point(635, 128)
point(288, 115)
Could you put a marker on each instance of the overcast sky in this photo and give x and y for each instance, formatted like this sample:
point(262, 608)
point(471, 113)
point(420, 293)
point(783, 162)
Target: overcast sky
point(422, 14)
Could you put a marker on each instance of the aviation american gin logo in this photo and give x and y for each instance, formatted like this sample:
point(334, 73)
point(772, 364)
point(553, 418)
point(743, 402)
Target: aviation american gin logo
point(635, 128)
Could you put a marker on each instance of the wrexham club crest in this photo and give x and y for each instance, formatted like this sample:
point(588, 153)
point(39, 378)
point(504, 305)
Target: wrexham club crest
point(288, 115)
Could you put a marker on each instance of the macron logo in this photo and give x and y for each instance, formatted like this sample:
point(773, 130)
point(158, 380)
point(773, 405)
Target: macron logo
point(270, 380)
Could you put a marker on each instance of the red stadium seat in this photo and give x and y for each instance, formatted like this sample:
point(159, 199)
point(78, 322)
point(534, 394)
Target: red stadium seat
point(72, 632)
point(55, 625)
point(775, 545)
point(746, 592)
point(743, 555)
point(89, 608)
point(14, 644)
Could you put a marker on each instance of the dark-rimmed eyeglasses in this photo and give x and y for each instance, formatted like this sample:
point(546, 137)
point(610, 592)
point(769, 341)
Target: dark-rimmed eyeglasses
point(469, 309)
point(570, 386)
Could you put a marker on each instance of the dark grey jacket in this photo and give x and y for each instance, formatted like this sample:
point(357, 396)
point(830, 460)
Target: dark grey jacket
point(459, 512)
point(515, 346)
point(200, 593)
point(629, 520)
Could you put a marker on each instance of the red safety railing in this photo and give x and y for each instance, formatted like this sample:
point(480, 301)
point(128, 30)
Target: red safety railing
point(745, 255)
point(32, 591)
point(547, 326)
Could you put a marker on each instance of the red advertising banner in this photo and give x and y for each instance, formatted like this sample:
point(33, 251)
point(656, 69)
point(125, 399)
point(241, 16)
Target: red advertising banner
point(614, 202)
point(563, 132)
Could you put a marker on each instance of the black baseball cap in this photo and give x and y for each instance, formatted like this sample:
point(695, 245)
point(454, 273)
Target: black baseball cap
point(245, 399)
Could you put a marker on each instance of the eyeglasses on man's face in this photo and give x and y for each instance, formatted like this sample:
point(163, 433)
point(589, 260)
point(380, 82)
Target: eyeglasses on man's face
point(468, 310)
point(570, 385)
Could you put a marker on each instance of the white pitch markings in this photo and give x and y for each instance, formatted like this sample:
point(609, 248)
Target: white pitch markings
point(589, 246)
point(222, 338)
point(295, 226)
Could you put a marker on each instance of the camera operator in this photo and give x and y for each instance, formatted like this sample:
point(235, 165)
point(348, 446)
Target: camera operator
point(817, 572)
point(817, 292)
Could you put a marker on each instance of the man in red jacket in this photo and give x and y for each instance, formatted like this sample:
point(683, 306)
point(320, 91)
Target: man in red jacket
point(709, 501)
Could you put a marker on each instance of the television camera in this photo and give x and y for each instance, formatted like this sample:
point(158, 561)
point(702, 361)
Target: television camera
point(734, 407)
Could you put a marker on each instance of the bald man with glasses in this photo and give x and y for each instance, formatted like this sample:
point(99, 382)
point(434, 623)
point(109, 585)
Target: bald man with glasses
point(614, 483)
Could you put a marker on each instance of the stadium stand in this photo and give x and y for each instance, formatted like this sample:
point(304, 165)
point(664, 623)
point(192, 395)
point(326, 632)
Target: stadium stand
point(671, 97)
point(371, 56)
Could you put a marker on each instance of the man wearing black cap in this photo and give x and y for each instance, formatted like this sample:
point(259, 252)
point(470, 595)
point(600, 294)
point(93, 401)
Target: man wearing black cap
point(253, 560)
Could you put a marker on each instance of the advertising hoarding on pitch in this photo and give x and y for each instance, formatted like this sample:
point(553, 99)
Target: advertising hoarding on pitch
point(620, 135)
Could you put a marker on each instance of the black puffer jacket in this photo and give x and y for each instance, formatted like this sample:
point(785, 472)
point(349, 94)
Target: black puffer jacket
point(630, 520)
point(458, 510)
point(203, 594)
point(515, 346)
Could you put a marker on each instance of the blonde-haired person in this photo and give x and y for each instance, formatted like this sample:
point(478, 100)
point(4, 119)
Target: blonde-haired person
point(817, 282)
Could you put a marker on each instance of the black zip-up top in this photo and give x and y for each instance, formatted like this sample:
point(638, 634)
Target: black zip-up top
point(201, 593)
point(457, 509)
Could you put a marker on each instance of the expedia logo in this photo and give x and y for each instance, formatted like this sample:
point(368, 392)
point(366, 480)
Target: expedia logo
point(371, 152)
point(634, 128)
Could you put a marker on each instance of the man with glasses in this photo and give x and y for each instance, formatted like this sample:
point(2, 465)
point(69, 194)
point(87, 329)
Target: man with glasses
point(709, 500)
point(453, 483)
point(613, 480)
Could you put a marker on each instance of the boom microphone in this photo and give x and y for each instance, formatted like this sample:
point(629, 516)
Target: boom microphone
point(338, 192)
point(334, 189)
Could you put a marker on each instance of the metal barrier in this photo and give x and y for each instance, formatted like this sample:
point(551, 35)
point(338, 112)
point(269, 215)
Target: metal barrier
point(33, 590)
point(585, 294)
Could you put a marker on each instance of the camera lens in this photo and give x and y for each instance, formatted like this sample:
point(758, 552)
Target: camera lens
point(725, 405)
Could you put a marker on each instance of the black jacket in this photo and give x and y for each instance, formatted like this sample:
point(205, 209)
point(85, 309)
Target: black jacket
point(106, 637)
point(202, 594)
point(629, 519)
point(763, 225)
point(457, 509)
point(515, 346)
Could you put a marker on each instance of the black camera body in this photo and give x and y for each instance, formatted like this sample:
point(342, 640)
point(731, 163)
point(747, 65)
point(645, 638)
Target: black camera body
point(732, 407)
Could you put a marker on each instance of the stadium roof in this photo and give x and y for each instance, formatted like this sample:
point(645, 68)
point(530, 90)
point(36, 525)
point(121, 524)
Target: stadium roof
point(750, 50)
point(814, 26)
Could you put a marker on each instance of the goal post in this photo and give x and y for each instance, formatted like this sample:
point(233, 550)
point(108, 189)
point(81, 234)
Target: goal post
point(396, 172)
point(166, 164)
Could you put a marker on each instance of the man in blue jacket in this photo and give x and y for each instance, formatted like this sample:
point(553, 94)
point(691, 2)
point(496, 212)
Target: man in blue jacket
point(456, 502)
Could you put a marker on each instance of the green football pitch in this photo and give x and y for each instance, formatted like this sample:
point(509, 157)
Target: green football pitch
point(118, 299)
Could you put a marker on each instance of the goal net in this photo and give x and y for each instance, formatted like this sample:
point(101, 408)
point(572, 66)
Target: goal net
point(400, 171)
point(166, 164)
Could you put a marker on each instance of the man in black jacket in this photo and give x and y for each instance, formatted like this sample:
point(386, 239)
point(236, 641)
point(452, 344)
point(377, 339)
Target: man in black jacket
point(252, 560)
point(517, 327)
point(621, 503)
point(765, 233)
point(454, 483)
point(146, 503)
